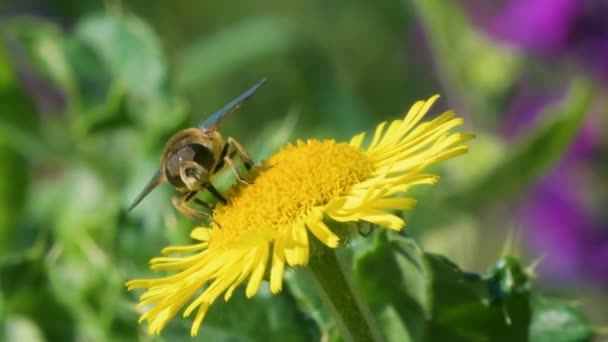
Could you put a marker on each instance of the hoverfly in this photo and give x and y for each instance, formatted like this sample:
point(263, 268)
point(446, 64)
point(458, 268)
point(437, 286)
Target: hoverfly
point(193, 155)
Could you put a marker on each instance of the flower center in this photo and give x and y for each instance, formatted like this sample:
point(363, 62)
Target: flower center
point(297, 179)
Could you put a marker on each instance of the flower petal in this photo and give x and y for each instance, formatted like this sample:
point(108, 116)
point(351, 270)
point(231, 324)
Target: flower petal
point(258, 271)
point(201, 234)
point(278, 266)
point(357, 140)
point(324, 234)
point(296, 248)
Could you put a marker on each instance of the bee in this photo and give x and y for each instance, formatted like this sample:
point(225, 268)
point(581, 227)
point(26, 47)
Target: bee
point(194, 155)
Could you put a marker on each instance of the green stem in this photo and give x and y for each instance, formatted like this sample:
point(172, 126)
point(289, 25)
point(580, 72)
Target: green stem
point(352, 317)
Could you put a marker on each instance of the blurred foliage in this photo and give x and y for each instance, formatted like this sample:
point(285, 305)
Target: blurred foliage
point(425, 297)
point(89, 96)
point(479, 73)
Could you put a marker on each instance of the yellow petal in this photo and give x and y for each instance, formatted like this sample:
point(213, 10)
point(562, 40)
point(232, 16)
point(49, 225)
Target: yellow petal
point(201, 234)
point(357, 140)
point(278, 266)
point(258, 271)
point(324, 234)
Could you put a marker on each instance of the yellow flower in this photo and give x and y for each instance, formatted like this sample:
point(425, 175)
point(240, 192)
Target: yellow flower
point(267, 224)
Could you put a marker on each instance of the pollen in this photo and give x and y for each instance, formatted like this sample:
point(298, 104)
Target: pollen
point(292, 182)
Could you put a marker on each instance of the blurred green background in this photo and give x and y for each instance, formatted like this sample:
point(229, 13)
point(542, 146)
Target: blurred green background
point(90, 91)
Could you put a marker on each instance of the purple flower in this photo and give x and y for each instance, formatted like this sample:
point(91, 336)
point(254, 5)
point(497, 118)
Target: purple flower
point(538, 25)
point(575, 29)
point(526, 107)
point(559, 215)
point(558, 224)
point(589, 36)
point(558, 218)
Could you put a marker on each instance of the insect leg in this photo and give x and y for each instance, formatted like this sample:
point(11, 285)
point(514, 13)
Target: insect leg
point(203, 203)
point(220, 163)
point(242, 153)
point(215, 193)
point(180, 202)
point(230, 161)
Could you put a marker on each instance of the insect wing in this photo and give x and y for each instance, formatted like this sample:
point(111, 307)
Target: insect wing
point(216, 119)
point(152, 183)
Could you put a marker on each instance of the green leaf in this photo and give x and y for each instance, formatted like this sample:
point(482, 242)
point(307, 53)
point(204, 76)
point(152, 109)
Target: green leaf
point(400, 288)
point(13, 189)
point(17, 328)
point(308, 298)
point(73, 72)
point(475, 71)
point(233, 48)
point(131, 51)
point(531, 158)
point(18, 110)
point(85, 206)
point(94, 89)
point(129, 48)
point(268, 318)
point(418, 296)
point(557, 321)
point(24, 282)
point(43, 42)
point(467, 307)
point(18, 115)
